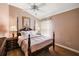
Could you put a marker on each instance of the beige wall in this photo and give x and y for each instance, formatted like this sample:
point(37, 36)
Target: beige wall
point(14, 12)
point(67, 28)
point(4, 17)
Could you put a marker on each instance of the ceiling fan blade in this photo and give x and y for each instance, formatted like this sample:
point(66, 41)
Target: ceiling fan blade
point(38, 4)
point(41, 4)
point(30, 4)
point(41, 10)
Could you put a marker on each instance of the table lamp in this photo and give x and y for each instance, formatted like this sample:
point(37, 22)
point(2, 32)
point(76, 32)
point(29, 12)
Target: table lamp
point(13, 29)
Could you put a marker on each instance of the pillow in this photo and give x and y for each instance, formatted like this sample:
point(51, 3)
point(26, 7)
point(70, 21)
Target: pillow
point(22, 33)
point(26, 33)
point(32, 32)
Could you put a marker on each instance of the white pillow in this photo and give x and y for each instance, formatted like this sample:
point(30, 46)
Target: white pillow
point(22, 33)
point(32, 33)
point(26, 33)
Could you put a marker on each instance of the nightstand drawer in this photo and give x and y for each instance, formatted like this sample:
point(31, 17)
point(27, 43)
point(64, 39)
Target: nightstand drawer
point(11, 42)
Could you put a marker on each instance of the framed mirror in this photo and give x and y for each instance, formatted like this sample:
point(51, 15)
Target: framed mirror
point(25, 21)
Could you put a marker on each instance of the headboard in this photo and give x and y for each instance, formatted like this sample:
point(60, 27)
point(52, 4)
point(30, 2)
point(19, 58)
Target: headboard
point(24, 28)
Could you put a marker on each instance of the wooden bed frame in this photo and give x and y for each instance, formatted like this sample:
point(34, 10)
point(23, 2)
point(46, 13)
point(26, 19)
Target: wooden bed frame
point(29, 41)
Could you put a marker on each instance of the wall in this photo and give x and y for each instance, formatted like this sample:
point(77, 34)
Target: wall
point(67, 28)
point(14, 12)
point(4, 17)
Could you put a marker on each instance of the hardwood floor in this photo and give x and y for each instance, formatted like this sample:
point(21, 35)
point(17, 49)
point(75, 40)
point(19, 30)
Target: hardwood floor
point(15, 52)
point(58, 52)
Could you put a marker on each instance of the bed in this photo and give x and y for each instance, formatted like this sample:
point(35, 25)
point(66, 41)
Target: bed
point(30, 42)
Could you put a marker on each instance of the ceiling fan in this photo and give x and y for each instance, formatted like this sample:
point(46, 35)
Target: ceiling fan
point(35, 7)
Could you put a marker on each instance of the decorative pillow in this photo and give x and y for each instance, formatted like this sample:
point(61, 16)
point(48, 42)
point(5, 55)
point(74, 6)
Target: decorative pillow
point(26, 33)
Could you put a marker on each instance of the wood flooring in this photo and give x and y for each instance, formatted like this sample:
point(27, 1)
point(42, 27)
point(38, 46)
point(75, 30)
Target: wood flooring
point(15, 52)
point(58, 52)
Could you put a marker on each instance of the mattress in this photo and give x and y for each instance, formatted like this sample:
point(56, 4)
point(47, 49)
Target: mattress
point(34, 40)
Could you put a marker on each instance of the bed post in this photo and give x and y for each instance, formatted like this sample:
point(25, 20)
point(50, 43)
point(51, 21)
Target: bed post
point(29, 45)
point(17, 27)
point(54, 41)
point(22, 21)
point(34, 24)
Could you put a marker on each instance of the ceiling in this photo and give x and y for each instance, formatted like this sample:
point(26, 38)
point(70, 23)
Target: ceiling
point(48, 9)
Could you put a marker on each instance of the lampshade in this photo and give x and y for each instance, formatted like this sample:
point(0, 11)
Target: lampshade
point(13, 28)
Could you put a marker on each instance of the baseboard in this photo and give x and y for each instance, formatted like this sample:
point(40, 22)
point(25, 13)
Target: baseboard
point(76, 51)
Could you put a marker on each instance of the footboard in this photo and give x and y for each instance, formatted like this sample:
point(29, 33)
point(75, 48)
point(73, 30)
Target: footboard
point(30, 52)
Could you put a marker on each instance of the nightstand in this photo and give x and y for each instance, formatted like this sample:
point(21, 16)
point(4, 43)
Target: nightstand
point(11, 43)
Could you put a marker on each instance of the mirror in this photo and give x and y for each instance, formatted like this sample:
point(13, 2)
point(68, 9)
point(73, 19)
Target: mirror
point(25, 21)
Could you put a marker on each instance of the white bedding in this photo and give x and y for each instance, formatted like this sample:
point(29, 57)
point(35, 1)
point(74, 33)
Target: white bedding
point(23, 42)
point(38, 40)
point(34, 40)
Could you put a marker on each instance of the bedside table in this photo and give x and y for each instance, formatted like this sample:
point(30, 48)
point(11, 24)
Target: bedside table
point(11, 43)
